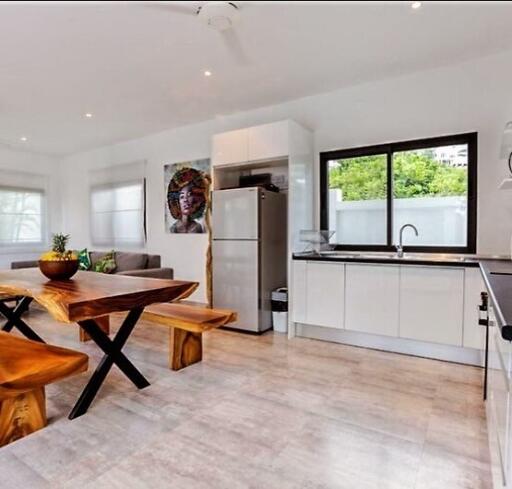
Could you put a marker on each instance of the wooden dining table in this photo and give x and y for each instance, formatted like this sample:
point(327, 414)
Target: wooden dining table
point(82, 299)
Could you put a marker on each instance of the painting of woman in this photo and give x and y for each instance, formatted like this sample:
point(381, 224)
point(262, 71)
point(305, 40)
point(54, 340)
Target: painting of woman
point(186, 200)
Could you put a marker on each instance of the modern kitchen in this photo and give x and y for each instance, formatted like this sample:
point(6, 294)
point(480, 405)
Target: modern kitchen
point(416, 286)
point(256, 244)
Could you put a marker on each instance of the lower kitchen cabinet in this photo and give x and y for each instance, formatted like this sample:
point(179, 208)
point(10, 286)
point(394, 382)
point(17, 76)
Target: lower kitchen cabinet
point(372, 298)
point(432, 304)
point(474, 334)
point(298, 292)
point(325, 286)
point(498, 408)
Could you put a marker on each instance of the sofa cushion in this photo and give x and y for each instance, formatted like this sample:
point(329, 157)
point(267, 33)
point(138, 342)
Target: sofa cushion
point(130, 261)
point(107, 264)
point(96, 256)
point(84, 260)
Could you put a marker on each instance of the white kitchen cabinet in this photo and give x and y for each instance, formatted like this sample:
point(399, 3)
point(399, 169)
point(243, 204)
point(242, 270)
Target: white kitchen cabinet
point(432, 304)
point(230, 147)
point(474, 334)
point(245, 146)
point(268, 141)
point(298, 292)
point(498, 408)
point(325, 290)
point(372, 298)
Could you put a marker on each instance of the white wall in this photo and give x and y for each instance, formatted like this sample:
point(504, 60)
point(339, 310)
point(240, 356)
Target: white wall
point(473, 96)
point(26, 162)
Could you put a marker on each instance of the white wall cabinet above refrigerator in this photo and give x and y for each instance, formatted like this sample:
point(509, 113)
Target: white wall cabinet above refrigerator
point(230, 147)
point(268, 141)
point(265, 142)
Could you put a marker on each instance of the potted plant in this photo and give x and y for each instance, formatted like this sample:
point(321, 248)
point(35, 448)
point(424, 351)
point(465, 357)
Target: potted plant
point(59, 263)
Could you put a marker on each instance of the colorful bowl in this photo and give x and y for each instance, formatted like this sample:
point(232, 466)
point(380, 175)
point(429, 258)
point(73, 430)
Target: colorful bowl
point(58, 270)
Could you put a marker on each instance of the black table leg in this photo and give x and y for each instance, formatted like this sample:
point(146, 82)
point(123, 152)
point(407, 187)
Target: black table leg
point(113, 355)
point(14, 320)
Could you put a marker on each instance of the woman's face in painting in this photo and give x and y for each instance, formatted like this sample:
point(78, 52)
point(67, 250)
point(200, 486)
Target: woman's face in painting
point(189, 200)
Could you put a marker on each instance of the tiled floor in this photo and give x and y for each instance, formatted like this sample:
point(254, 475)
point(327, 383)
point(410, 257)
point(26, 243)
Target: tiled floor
point(260, 412)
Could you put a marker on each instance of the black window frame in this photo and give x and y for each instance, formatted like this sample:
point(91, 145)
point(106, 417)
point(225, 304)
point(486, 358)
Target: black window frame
point(471, 139)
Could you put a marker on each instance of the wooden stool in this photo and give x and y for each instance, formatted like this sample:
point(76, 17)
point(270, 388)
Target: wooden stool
point(26, 366)
point(187, 323)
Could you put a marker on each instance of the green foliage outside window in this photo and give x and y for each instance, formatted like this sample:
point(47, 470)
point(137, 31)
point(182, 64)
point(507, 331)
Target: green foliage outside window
point(415, 174)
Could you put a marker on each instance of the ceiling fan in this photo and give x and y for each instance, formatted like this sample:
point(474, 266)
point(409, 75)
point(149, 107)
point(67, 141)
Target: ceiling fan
point(219, 16)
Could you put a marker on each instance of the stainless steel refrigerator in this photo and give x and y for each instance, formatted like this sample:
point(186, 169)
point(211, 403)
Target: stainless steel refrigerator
point(249, 253)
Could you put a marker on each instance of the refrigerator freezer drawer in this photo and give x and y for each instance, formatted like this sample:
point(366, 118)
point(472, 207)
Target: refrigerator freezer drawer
point(236, 282)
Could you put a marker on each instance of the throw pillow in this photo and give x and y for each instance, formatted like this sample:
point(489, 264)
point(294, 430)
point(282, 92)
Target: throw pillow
point(107, 264)
point(84, 260)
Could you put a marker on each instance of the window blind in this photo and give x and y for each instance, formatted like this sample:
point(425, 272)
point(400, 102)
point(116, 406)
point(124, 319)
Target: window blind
point(118, 206)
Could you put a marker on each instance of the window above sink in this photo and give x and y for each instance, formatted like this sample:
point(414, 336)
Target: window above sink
point(369, 193)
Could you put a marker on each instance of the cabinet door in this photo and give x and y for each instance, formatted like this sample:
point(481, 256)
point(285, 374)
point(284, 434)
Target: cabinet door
point(498, 405)
point(268, 141)
point(431, 304)
point(372, 299)
point(230, 147)
point(474, 334)
point(325, 291)
point(298, 292)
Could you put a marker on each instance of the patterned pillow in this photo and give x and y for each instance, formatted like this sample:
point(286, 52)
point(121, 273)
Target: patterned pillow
point(84, 260)
point(107, 264)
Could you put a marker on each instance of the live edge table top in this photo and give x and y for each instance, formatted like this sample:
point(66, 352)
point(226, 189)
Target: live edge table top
point(89, 294)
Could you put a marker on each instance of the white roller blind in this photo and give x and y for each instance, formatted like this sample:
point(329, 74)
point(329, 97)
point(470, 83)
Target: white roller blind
point(23, 220)
point(118, 206)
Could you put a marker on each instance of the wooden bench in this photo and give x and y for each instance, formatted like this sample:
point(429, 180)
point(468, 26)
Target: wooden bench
point(187, 322)
point(26, 366)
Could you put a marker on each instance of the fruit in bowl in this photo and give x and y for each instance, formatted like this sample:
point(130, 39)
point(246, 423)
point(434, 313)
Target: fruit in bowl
point(58, 263)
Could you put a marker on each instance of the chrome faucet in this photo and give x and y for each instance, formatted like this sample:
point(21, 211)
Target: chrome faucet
point(399, 246)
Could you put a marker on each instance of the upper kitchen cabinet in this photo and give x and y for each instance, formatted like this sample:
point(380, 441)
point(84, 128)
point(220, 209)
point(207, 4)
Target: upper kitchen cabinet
point(268, 142)
point(256, 144)
point(230, 148)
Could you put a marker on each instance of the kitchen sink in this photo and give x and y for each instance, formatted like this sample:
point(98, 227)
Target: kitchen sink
point(385, 255)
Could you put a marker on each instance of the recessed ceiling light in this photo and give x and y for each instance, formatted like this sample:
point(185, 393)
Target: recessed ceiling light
point(207, 73)
point(88, 115)
point(23, 138)
point(416, 5)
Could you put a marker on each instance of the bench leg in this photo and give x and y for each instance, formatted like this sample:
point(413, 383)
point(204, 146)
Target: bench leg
point(22, 415)
point(103, 322)
point(185, 348)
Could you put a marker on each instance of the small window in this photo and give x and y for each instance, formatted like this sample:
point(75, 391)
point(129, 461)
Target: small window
point(368, 194)
point(22, 217)
point(118, 215)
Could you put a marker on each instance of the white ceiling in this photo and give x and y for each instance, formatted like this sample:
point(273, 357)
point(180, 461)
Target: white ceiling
point(139, 68)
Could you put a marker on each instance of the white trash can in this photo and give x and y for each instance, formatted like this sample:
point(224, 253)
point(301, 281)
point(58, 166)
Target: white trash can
point(279, 301)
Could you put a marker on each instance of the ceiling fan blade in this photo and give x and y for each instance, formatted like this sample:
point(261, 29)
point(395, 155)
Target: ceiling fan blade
point(234, 46)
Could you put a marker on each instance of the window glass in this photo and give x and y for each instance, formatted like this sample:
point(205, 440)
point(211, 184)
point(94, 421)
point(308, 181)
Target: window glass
point(430, 190)
point(357, 199)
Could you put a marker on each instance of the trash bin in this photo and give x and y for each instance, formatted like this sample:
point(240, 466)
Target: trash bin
point(279, 303)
